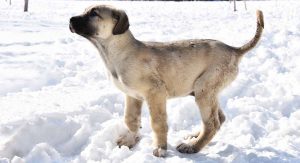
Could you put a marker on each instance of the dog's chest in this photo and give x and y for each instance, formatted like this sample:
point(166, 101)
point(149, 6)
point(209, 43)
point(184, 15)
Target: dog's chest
point(124, 86)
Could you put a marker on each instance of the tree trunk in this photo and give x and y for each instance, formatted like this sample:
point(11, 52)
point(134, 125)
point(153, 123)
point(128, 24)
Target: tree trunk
point(26, 6)
point(245, 4)
point(234, 4)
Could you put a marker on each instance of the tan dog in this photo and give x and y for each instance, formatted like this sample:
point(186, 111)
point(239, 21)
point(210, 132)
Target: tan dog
point(154, 72)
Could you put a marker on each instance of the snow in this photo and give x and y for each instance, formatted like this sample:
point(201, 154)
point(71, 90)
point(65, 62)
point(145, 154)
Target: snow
point(56, 104)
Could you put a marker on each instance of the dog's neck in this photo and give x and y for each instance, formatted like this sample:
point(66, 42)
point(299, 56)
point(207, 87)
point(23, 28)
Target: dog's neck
point(115, 45)
point(114, 48)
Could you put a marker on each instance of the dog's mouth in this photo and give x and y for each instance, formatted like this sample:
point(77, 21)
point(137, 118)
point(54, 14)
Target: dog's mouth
point(71, 28)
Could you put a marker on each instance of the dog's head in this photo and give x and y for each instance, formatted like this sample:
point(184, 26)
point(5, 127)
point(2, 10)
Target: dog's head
point(100, 21)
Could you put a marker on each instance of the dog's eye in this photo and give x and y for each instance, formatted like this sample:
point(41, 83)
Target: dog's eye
point(93, 13)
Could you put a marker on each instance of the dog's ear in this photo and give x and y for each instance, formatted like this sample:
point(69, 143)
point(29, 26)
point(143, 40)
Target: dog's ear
point(122, 24)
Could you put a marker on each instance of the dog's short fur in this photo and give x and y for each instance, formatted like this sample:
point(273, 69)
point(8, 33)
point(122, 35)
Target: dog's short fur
point(155, 71)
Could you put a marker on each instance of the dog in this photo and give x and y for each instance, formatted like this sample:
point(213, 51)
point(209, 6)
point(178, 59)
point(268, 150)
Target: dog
point(156, 71)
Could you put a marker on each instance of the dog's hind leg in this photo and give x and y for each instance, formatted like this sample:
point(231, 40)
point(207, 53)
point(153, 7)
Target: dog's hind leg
point(206, 90)
point(197, 133)
point(132, 119)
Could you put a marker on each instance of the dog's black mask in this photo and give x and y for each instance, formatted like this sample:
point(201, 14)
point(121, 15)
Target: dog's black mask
point(81, 25)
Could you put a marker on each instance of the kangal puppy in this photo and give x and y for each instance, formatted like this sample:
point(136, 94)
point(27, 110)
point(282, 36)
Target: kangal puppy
point(155, 71)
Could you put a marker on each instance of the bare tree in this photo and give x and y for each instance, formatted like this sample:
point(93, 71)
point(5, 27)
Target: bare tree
point(26, 6)
point(245, 4)
point(234, 5)
point(9, 2)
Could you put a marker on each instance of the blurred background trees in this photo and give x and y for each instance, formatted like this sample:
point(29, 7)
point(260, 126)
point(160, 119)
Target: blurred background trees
point(26, 5)
point(234, 2)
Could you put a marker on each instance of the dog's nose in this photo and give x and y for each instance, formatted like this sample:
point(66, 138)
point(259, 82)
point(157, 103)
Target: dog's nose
point(72, 19)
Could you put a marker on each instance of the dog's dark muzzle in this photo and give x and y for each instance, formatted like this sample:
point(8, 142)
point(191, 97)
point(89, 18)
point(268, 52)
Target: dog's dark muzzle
point(79, 25)
point(75, 23)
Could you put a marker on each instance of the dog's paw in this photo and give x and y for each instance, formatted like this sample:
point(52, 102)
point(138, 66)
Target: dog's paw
point(186, 148)
point(160, 152)
point(129, 139)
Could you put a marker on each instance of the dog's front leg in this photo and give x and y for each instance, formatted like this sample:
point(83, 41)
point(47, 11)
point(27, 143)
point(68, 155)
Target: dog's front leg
point(157, 106)
point(132, 119)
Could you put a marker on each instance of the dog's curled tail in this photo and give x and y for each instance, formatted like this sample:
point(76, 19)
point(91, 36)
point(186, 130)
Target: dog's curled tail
point(259, 29)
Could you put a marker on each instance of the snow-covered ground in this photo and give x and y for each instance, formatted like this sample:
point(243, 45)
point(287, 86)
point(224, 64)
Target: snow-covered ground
point(56, 104)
